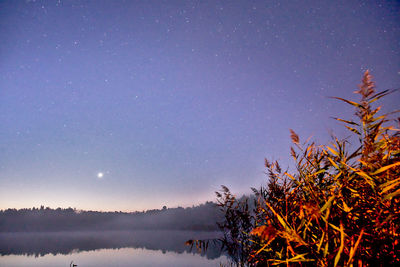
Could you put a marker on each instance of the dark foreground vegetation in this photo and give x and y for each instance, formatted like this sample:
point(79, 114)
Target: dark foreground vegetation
point(339, 207)
point(202, 217)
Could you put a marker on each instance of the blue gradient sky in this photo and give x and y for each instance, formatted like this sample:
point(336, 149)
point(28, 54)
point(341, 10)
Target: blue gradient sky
point(171, 99)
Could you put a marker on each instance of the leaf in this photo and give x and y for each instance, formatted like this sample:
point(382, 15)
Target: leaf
point(333, 163)
point(375, 111)
point(345, 207)
point(378, 118)
point(280, 219)
point(326, 249)
point(349, 102)
point(389, 185)
point(386, 168)
point(319, 172)
point(346, 121)
point(353, 130)
point(333, 151)
point(290, 176)
point(337, 258)
point(355, 153)
point(366, 177)
point(320, 242)
point(262, 248)
point(379, 95)
point(327, 204)
point(365, 163)
point(354, 249)
point(297, 258)
point(397, 192)
point(334, 227)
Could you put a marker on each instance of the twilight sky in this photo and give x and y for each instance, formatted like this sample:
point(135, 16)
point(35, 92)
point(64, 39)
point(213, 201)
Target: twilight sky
point(170, 99)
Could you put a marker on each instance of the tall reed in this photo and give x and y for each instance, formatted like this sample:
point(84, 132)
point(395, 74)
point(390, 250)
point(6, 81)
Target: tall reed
point(340, 207)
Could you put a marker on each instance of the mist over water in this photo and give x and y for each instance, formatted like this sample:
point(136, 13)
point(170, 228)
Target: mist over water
point(55, 237)
point(117, 248)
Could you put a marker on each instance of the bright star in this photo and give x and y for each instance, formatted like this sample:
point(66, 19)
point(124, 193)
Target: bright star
point(100, 175)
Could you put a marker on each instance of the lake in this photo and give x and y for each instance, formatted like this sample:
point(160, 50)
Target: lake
point(107, 248)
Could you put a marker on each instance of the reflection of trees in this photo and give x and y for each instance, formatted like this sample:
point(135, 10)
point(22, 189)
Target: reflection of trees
point(40, 244)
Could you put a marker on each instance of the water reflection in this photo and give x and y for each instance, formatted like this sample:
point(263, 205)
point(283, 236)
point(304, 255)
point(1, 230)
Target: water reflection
point(40, 244)
point(123, 257)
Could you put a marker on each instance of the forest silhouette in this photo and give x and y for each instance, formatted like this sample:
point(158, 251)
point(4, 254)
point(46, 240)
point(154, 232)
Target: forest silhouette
point(202, 217)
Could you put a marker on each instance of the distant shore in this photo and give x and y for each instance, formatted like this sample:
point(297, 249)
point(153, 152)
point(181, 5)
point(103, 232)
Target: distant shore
point(203, 217)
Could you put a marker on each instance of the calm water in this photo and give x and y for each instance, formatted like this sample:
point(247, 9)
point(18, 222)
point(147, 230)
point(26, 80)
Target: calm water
point(114, 248)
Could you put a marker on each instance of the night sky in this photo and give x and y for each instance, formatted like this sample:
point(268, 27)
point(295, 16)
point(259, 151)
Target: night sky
point(132, 105)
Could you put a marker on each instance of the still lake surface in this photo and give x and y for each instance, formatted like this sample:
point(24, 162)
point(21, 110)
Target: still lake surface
point(107, 248)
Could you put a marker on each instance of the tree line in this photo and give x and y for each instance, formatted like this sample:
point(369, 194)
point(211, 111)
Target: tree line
point(201, 217)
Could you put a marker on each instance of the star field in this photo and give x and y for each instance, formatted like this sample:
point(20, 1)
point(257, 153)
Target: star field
point(168, 99)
